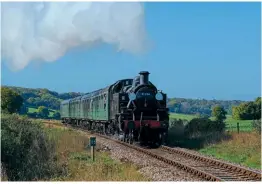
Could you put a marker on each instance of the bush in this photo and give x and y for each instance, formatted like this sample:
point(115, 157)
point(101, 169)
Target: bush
point(32, 115)
point(198, 127)
point(176, 131)
point(27, 152)
point(177, 127)
point(196, 133)
point(43, 112)
point(56, 115)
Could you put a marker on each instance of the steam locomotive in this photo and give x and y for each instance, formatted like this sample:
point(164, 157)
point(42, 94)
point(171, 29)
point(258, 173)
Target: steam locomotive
point(131, 109)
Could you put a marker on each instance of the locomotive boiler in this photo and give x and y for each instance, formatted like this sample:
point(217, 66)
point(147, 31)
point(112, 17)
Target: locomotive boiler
point(132, 109)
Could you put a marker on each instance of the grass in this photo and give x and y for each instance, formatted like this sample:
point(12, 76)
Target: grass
point(73, 152)
point(181, 116)
point(243, 148)
point(245, 125)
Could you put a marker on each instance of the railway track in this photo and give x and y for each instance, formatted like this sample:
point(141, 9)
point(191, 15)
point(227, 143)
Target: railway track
point(224, 171)
point(203, 167)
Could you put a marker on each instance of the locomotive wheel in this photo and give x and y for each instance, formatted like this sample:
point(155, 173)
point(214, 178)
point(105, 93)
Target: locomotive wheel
point(160, 140)
point(164, 138)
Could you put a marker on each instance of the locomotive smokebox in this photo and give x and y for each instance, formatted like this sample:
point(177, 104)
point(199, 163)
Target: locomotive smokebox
point(144, 77)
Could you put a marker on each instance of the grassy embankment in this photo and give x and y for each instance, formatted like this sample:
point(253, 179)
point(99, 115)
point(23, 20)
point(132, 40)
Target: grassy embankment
point(72, 150)
point(243, 148)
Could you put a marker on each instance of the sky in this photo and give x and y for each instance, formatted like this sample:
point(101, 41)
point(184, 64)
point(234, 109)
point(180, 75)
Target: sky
point(197, 50)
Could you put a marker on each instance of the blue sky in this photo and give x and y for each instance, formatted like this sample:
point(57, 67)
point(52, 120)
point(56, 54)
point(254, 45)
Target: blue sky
point(199, 50)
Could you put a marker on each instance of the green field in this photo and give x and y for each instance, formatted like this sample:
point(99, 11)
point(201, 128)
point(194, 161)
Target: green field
point(181, 116)
point(244, 125)
point(32, 110)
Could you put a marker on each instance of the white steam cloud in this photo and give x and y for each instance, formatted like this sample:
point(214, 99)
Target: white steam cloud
point(46, 31)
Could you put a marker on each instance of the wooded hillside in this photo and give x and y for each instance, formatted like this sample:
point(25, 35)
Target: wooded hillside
point(52, 99)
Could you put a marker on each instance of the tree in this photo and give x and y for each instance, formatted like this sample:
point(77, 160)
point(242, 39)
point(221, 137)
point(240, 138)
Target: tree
point(248, 110)
point(258, 108)
point(23, 110)
point(236, 112)
point(43, 112)
point(56, 115)
point(11, 101)
point(219, 113)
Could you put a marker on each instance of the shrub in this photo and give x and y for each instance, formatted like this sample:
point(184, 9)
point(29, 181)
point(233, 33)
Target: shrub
point(195, 133)
point(176, 130)
point(198, 127)
point(27, 152)
point(56, 115)
point(32, 115)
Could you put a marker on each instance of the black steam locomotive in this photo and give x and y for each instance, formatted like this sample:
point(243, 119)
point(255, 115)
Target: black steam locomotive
point(132, 109)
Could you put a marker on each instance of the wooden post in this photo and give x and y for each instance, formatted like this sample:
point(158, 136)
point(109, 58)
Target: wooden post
point(93, 153)
point(237, 127)
point(93, 144)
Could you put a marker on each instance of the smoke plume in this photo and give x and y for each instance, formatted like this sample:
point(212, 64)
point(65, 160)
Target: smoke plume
point(46, 31)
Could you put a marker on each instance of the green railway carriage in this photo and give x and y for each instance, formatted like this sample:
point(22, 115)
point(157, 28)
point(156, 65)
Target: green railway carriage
point(64, 109)
point(94, 105)
point(74, 107)
point(100, 105)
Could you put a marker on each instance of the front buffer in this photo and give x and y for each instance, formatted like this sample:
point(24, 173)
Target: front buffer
point(146, 132)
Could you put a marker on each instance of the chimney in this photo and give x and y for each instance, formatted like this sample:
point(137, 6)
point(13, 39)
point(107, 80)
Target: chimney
point(144, 77)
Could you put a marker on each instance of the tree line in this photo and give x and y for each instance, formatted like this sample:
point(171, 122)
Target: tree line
point(42, 97)
point(199, 106)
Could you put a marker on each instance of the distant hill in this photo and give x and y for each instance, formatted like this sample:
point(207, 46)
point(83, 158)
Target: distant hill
point(43, 97)
point(52, 99)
